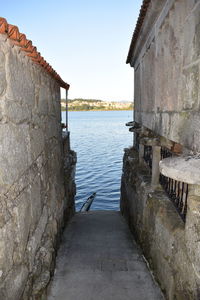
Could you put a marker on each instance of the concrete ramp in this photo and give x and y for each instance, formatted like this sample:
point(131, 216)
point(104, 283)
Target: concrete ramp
point(99, 260)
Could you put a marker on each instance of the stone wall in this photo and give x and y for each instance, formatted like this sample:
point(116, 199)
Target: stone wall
point(36, 189)
point(170, 245)
point(166, 60)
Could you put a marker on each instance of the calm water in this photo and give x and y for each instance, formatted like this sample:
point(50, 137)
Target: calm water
point(99, 138)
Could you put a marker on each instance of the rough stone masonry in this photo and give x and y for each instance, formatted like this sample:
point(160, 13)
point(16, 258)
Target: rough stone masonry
point(165, 54)
point(36, 188)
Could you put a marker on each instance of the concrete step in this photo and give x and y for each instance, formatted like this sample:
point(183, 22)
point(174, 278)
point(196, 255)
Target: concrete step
point(99, 260)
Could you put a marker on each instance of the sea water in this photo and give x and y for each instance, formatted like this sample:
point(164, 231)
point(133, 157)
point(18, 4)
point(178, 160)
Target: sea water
point(99, 138)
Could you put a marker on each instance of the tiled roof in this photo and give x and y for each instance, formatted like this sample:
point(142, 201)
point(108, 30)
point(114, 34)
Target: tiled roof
point(136, 32)
point(20, 40)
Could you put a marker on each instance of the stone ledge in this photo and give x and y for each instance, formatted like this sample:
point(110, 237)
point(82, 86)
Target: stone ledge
point(185, 169)
point(131, 123)
point(134, 124)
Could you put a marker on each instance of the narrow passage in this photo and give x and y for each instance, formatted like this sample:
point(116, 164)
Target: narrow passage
point(99, 260)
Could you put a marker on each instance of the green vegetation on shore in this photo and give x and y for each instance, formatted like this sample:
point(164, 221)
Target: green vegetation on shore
point(93, 104)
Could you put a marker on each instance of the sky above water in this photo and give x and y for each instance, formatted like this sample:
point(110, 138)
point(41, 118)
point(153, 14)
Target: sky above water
point(85, 41)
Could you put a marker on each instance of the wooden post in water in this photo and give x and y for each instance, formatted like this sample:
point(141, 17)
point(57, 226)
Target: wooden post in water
point(66, 110)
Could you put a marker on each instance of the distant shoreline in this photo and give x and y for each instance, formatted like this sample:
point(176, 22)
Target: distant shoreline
point(95, 105)
point(100, 109)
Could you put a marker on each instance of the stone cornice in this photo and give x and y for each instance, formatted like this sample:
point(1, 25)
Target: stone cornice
point(182, 168)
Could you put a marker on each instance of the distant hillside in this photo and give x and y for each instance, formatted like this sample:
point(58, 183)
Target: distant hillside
point(93, 104)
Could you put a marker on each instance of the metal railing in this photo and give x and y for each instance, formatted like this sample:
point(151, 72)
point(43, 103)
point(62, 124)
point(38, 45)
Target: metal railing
point(148, 155)
point(165, 152)
point(177, 191)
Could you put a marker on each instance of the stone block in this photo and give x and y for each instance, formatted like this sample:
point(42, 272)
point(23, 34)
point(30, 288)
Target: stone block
point(52, 127)
point(35, 239)
point(4, 211)
point(41, 283)
point(15, 112)
point(3, 82)
point(36, 202)
point(14, 152)
point(15, 283)
point(193, 232)
point(190, 88)
point(43, 100)
point(15, 76)
point(191, 36)
point(37, 142)
point(21, 217)
point(7, 246)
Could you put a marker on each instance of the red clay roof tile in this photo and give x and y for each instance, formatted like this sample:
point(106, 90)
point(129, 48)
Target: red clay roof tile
point(13, 32)
point(138, 26)
point(22, 40)
point(3, 25)
point(25, 45)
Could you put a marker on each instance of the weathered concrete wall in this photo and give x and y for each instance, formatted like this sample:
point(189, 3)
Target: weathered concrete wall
point(170, 245)
point(167, 70)
point(35, 197)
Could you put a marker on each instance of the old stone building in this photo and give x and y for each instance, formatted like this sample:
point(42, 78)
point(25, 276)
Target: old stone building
point(161, 174)
point(36, 167)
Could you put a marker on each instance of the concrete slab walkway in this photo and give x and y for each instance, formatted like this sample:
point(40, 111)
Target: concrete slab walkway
point(99, 260)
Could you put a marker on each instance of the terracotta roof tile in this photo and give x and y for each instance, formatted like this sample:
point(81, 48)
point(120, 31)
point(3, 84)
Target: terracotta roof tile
point(3, 25)
point(13, 32)
point(138, 26)
point(22, 40)
point(25, 45)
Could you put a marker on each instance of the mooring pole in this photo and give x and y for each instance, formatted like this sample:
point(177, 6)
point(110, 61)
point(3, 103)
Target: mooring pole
point(66, 110)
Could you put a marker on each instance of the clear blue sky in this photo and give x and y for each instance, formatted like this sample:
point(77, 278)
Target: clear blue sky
point(85, 41)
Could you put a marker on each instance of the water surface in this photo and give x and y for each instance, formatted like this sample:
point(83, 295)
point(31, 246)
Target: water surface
point(99, 138)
